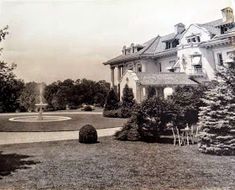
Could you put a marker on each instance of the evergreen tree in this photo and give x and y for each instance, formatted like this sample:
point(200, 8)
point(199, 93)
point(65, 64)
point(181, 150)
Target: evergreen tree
point(112, 101)
point(217, 117)
point(127, 97)
point(188, 100)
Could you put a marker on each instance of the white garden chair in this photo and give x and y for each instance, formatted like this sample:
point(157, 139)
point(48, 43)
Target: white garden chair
point(176, 135)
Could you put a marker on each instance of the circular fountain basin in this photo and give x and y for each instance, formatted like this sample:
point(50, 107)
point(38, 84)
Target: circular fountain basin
point(35, 119)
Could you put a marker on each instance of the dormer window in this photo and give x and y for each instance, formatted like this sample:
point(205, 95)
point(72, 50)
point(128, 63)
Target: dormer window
point(194, 39)
point(175, 43)
point(172, 44)
point(168, 45)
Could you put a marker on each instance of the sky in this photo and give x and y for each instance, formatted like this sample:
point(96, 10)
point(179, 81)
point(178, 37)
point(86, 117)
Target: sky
point(53, 40)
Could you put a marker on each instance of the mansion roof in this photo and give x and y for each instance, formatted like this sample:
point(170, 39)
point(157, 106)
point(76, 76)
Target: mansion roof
point(156, 47)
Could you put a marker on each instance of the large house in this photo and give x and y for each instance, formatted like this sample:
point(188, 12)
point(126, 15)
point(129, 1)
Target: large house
point(187, 56)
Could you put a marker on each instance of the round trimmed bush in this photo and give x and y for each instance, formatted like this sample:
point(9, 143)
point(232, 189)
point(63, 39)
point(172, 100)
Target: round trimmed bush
point(87, 108)
point(88, 134)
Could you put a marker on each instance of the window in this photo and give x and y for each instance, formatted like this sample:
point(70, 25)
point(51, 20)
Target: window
point(168, 45)
point(175, 43)
point(171, 66)
point(196, 60)
point(160, 67)
point(130, 67)
point(223, 29)
point(139, 68)
point(231, 55)
point(198, 69)
point(194, 39)
point(198, 39)
point(220, 59)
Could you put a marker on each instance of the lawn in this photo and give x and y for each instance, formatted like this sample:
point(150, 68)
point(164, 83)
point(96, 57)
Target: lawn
point(77, 121)
point(113, 164)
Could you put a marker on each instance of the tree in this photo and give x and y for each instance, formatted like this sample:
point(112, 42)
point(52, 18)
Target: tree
point(29, 96)
point(75, 93)
point(188, 99)
point(127, 97)
point(101, 90)
point(127, 102)
point(10, 87)
point(217, 117)
point(112, 102)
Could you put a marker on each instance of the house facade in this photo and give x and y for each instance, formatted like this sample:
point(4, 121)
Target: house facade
point(187, 56)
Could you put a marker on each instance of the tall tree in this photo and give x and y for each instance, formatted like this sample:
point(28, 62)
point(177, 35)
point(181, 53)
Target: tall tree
point(217, 117)
point(10, 87)
point(127, 97)
point(188, 99)
point(29, 96)
point(128, 102)
point(112, 102)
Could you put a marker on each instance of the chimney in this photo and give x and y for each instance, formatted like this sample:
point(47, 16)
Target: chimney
point(179, 28)
point(132, 48)
point(227, 14)
point(124, 50)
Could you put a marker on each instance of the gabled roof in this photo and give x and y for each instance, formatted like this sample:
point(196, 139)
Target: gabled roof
point(148, 49)
point(156, 47)
point(165, 79)
point(151, 48)
point(212, 26)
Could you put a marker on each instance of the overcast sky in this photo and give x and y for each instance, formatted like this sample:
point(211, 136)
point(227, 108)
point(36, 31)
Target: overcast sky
point(54, 40)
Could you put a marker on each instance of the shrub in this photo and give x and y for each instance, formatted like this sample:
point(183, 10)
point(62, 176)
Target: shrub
point(88, 134)
point(128, 97)
point(129, 132)
point(112, 101)
point(125, 112)
point(87, 108)
point(148, 120)
point(189, 99)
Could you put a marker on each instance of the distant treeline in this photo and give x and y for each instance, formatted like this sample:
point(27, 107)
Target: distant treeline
point(15, 95)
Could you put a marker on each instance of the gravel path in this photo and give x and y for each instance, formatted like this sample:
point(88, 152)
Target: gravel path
point(30, 137)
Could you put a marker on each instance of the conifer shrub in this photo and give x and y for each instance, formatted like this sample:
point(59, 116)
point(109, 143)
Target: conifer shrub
point(111, 107)
point(112, 101)
point(88, 134)
point(128, 102)
point(217, 116)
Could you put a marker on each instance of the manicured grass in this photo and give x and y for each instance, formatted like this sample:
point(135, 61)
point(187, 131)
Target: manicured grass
point(77, 121)
point(113, 164)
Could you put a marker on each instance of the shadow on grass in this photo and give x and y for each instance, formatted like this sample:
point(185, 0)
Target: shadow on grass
point(166, 140)
point(11, 162)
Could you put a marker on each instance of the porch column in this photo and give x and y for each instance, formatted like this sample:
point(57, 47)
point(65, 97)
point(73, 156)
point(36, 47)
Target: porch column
point(119, 80)
point(112, 76)
point(119, 73)
point(160, 92)
point(144, 92)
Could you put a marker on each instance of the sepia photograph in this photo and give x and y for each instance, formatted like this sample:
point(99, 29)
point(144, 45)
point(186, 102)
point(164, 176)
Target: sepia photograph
point(117, 95)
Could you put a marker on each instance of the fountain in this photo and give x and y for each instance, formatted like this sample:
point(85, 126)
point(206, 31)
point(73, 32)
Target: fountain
point(40, 105)
point(40, 117)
